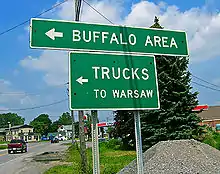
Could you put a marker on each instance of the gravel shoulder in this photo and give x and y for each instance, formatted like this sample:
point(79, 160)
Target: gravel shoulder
point(178, 157)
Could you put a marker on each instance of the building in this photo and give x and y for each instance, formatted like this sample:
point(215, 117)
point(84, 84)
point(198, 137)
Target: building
point(209, 115)
point(2, 134)
point(65, 131)
point(25, 132)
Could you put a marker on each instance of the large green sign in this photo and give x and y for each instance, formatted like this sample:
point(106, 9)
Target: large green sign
point(112, 81)
point(67, 35)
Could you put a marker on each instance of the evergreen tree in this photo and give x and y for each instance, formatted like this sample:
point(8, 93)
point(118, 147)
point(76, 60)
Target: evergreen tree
point(174, 119)
point(124, 128)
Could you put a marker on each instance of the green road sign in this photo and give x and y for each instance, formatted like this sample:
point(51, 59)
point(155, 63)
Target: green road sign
point(102, 81)
point(69, 35)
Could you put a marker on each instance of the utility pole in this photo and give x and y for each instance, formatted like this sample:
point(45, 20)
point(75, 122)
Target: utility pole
point(82, 143)
point(73, 127)
point(73, 121)
point(81, 113)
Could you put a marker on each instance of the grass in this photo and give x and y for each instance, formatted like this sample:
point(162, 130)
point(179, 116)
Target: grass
point(4, 142)
point(212, 138)
point(64, 169)
point(3, 147)
point(111, 160)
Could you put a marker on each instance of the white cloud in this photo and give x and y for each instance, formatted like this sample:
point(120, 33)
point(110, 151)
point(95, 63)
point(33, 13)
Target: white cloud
point(142, 14)
point(109, 8)
point(202, 27)
point(53, 63)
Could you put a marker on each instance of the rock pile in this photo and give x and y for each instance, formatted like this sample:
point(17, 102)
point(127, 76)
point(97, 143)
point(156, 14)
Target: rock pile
point(178, 157)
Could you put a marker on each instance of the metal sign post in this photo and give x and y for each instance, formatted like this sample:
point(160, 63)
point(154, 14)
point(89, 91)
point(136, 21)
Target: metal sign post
point(95, 144)
point(140, 165)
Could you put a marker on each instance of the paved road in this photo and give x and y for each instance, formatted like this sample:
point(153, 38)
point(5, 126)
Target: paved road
point(22, 162)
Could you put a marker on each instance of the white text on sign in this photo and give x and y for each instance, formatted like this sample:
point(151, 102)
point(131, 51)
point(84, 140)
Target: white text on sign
point(121, 39)
point(118, 73)
point(124, 93)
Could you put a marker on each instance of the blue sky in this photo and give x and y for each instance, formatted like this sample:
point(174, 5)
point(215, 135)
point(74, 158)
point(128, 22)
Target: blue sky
point(31, 71)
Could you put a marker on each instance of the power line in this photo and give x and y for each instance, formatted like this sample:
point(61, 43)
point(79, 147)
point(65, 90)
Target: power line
point(37, 107)
point(205, 81)
point(98, 12)
point(206, 86)
point(191, 74)
point(57, 5)
point(38, 15)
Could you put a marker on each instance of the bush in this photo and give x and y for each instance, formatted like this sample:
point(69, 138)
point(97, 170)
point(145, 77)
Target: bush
point(212, 138)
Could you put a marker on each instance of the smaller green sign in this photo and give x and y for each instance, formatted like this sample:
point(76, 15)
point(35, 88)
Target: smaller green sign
point(104, 81)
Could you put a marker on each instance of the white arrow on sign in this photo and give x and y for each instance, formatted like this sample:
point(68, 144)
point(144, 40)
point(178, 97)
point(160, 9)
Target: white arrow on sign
point(81, 80)
point(53, 34)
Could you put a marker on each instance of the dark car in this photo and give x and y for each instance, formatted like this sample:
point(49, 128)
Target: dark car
point(55, 140)
point(17, 145)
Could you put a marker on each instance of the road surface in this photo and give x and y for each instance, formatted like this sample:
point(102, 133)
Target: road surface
point(22, 163)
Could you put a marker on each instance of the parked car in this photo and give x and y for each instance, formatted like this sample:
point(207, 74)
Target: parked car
point(62, 138)
point(17, 145)
point(44, 138)
point(55, 140)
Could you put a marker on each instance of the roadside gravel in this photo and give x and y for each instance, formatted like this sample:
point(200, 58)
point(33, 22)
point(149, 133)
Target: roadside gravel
point(178, 157)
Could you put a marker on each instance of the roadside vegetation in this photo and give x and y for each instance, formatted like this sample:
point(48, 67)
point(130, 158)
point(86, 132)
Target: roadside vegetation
point(4, 142)
point(210, 137)
point(3, 146)
point(112, 159)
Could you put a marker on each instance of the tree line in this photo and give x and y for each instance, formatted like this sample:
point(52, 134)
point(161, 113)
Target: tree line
point(42, 124)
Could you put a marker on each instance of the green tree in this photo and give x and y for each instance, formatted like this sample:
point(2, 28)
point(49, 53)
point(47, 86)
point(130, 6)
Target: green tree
point(175, 118)
point(41, 124)
point(13, 118)
point(124, 128)
point(54, 126)
point(65, 119)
